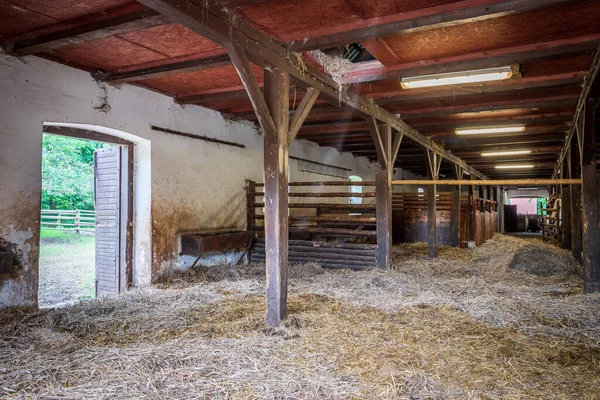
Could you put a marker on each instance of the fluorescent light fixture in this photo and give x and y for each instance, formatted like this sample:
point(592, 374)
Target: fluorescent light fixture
point(515, 166)
point(527, 188)
point(490, 129)
point(456, 78)
point(505, 153)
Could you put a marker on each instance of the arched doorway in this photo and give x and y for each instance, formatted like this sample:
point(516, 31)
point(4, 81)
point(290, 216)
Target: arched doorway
point(121, 217)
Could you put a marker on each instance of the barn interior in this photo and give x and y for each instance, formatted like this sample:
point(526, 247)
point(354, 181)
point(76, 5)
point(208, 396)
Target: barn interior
point(304, 199)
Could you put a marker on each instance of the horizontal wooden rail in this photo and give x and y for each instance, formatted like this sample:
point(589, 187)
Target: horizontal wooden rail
point(327, 183)
point(491, 182)
point(326, 205)
point(328, 231)
point(359, 219)
point(69, 220)
point(325, 194)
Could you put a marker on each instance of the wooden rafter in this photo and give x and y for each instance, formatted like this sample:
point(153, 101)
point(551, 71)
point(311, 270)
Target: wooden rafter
point(378, 141)
point(242, 66)
point(434, 162)
point(302, 112)
point(117, 21)
point(210, 21)
point(395, 148)
point(374, 71)
point(452, 14)
point(159, 71)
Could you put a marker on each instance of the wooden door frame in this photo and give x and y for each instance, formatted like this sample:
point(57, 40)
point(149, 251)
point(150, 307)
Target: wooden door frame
point(125, 223)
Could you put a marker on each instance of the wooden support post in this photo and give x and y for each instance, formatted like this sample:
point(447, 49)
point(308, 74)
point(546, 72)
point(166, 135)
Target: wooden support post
point(500, 192)
point(484, 195)
point(458, 173)
point(433, 170)
point(589, 194)
point(575, 172)
point(565, 208)
point(250, 213)
point(384, 199)
point(276, 192)
point(471, 208)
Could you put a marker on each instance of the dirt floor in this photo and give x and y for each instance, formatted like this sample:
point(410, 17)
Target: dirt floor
point(67, 268)
point(505, 320)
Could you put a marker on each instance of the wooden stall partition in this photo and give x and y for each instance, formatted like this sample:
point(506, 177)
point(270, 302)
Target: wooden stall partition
point(409, 217)
point(322, 213)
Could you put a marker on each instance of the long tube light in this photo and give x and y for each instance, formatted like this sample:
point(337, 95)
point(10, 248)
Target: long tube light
point(515, 166)
point(456, 78)
point(505, 153)
point(490, 129)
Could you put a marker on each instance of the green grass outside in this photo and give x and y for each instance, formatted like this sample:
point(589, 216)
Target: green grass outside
point(67, 267)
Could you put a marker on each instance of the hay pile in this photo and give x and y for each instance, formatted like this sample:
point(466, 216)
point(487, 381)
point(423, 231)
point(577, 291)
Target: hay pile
point(533, 257)
point(463, 325)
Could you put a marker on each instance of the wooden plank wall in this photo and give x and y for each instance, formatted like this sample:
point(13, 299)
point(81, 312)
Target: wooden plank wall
point(409, 219)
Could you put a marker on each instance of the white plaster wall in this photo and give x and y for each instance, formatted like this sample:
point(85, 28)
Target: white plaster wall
point(194, 185)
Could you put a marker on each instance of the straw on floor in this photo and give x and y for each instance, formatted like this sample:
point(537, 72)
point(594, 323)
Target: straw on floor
point(483, 323)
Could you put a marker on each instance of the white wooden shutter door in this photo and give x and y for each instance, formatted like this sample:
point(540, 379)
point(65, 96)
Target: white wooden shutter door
point(107, 186)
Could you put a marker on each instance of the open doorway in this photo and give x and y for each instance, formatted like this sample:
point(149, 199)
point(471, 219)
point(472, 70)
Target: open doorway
point(85, 249)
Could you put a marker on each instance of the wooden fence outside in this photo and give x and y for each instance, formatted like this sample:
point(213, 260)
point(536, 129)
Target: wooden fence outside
point(69, 220)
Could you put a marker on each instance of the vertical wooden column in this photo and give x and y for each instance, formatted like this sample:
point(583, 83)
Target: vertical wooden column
point(575, 172)
point(484, 196)
point(383, 193)
point(250, 213)
point(276, 195)
point(471, 208)
point(433, 171)
point(455, 224)
point(500, 200)
point(565, 210)
point(589, 194)
point(431, 221)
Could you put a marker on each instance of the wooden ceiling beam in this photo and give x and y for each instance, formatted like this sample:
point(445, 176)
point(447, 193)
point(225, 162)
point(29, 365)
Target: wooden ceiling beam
point(514, 98)
point(429, 125)
point(451, 14)
point(529, 129)
point(117, 21)
point(458, 142)
point(208, 19)
point(568, 100)
point(498, 88)
point(159, 71)
point(375, 71)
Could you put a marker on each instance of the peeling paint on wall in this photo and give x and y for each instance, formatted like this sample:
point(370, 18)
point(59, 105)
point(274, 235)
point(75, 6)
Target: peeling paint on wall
point(195, 186)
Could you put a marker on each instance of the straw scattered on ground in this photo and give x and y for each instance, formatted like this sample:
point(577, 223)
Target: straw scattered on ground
point(482, 323)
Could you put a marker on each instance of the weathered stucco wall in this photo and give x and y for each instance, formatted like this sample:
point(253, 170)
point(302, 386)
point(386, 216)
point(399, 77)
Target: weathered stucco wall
point(195, 185)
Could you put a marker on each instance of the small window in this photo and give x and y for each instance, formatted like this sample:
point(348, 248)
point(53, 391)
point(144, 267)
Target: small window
point(355, 189)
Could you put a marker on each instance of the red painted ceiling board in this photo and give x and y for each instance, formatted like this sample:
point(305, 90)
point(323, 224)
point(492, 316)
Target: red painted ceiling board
point(532, 27)
point(207, 81)
point(16, 19)
point(293, 19)
point(173, 40)
point(69, 9)
point(383, 8)
point(110, 53)
point(558, 65)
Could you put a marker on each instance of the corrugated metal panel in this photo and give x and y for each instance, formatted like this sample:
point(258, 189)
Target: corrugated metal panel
point(107, 185)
